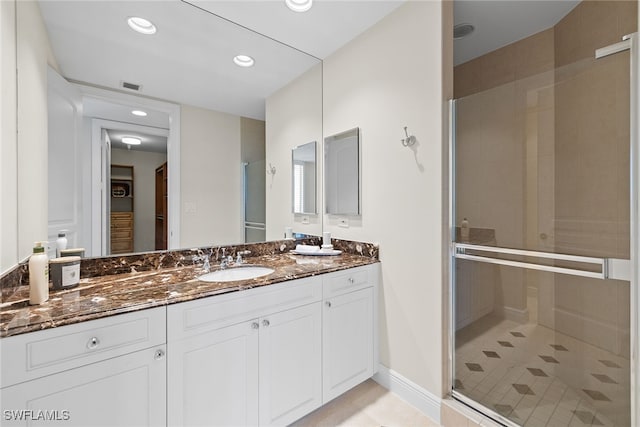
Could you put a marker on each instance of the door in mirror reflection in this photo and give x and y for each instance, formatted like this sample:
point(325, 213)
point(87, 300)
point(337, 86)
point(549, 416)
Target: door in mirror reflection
point(342, 173)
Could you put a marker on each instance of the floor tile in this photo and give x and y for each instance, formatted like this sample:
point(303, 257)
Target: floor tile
point(596, 395)
point(558, 347)
point(523, 389)
point(588, 418)
point(609, 364)
point(548, 359)
point(475, 367)
point(605, 378)
point(537, 372)
point(491, 354)
point(505, 344)
point(518, 334)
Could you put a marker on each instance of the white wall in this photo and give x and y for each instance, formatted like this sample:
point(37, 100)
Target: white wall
point(8, 140)
point(387, 78)
point(210, 178)
point(294, 117)
point(34, 54)
point(144, 194)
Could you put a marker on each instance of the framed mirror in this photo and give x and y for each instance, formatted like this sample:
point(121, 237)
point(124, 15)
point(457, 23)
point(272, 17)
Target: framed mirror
point(303, 179)
point(342, 173)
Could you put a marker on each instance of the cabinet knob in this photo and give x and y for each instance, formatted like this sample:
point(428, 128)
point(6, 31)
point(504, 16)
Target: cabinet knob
point(351, 280)
point(94, 342)
point(265, 322)
point(255, 325)
point(328, 304)
point(159, 354)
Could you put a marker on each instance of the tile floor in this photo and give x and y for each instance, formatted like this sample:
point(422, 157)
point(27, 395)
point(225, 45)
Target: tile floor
point(536, 376)
point(367, 405)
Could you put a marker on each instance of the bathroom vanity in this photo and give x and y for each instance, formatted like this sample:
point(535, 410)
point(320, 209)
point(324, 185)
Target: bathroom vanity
point(179, 351)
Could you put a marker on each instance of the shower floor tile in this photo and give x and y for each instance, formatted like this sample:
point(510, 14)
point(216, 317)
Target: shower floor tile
point(543, 377)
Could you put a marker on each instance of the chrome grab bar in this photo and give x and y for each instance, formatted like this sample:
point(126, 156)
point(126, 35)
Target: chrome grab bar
point(460, 248)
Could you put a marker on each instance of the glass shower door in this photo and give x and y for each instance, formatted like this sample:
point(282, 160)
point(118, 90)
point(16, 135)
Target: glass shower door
point(541, 249)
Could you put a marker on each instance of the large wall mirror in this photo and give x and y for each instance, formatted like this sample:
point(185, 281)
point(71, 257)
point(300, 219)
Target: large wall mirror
point(342, 173)
point(303, 178)
point(183, 93)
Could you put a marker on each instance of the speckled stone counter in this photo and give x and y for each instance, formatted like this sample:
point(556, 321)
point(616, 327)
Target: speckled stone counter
point(107, 295)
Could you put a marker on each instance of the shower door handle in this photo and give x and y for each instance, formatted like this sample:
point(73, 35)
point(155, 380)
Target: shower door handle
point(610, 268)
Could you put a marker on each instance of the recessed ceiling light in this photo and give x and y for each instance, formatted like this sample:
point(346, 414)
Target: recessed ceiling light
point(141, 25)
point(244, 61)
point(462, 30)
point(129, 140)
point(139, 113)
point(299, 5)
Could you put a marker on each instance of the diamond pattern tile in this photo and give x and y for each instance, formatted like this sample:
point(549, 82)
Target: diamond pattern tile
point(457, 384)
point(596, 395)
point(517, 334)
point(537, 372)
point(605, 378)
point(523, 389)
point(609, 364)
point(474, 367)
point(548, 359)
point(588, 418)
point(491, 354)
point(503, 410)
point(558, 347)
point(505, 344)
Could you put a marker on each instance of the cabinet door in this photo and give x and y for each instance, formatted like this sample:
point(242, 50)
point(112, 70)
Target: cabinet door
point(123, 391)
point(347, 342)
point(213, 378)
point(290, 364)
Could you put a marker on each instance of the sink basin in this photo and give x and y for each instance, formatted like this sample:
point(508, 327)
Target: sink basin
point(236, 273)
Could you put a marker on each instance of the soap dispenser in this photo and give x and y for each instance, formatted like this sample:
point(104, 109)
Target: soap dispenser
point(464, 229)
point(38, 275)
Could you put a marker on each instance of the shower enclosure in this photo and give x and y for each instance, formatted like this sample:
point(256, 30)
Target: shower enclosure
point(543, 276)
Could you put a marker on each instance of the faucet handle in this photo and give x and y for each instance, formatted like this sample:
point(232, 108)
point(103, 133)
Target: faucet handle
point(239, 259)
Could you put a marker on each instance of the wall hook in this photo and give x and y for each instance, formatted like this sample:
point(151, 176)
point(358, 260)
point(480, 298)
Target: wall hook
point(409, 140)
point(271, 170)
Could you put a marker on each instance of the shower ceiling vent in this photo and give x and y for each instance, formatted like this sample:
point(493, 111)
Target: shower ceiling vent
point(462, 30)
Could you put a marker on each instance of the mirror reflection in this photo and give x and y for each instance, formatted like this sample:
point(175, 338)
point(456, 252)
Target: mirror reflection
point(342, 173)
point(303, 178)
point(197, 175)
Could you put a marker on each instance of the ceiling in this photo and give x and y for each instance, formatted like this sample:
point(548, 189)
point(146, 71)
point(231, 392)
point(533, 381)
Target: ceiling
point(151, 143)
point(189, 59)
point(499, 23)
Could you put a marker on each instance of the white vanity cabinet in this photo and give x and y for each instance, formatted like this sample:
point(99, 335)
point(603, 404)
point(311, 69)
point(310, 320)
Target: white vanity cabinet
point(349, 335)
point(246, 358)
point(109, 372)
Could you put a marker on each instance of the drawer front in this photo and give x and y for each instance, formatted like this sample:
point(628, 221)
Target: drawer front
point(349, 280)
point(122, 245)
point(190, 318)
point(41, 353)
point(117, 224)
point(118, 233)
point(122, 216)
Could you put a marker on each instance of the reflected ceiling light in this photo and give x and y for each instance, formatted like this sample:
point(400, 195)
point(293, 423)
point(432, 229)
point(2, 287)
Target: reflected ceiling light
point(299, 5)
point(141, 25)
point(244, 61)
point(139, 113)
point(129, 140)
point(462, 30)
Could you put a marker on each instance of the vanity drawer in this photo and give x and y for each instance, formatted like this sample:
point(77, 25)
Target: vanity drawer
point(36, 354)
point(349, 280)
point(194, 317)
point(117, 233)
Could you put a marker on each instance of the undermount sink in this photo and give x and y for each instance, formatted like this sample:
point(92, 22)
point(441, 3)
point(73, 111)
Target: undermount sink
point(233, 274)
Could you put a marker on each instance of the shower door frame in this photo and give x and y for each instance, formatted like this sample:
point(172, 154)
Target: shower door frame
point(633, 43)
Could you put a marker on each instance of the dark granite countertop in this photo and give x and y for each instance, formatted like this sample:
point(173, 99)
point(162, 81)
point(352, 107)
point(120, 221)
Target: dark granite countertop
point(103, 296)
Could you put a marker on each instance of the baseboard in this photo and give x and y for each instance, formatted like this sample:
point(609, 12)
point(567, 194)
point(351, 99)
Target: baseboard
point(407, 390)
point(515, 314)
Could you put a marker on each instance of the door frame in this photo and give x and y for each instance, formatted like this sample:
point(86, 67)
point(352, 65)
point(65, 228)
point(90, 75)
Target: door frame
point(173, 162)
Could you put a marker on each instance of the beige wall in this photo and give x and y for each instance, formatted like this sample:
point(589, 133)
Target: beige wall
point(371, 84)
point(144, 196)
point(252, 135)
point(8, 139)
point(210, 178)
point(293, 117)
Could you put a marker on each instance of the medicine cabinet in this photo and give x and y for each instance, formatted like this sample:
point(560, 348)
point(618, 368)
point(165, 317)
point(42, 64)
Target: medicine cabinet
point(342, 173)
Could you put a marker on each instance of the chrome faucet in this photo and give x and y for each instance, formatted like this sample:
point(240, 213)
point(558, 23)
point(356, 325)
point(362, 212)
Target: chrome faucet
point(225, 260)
